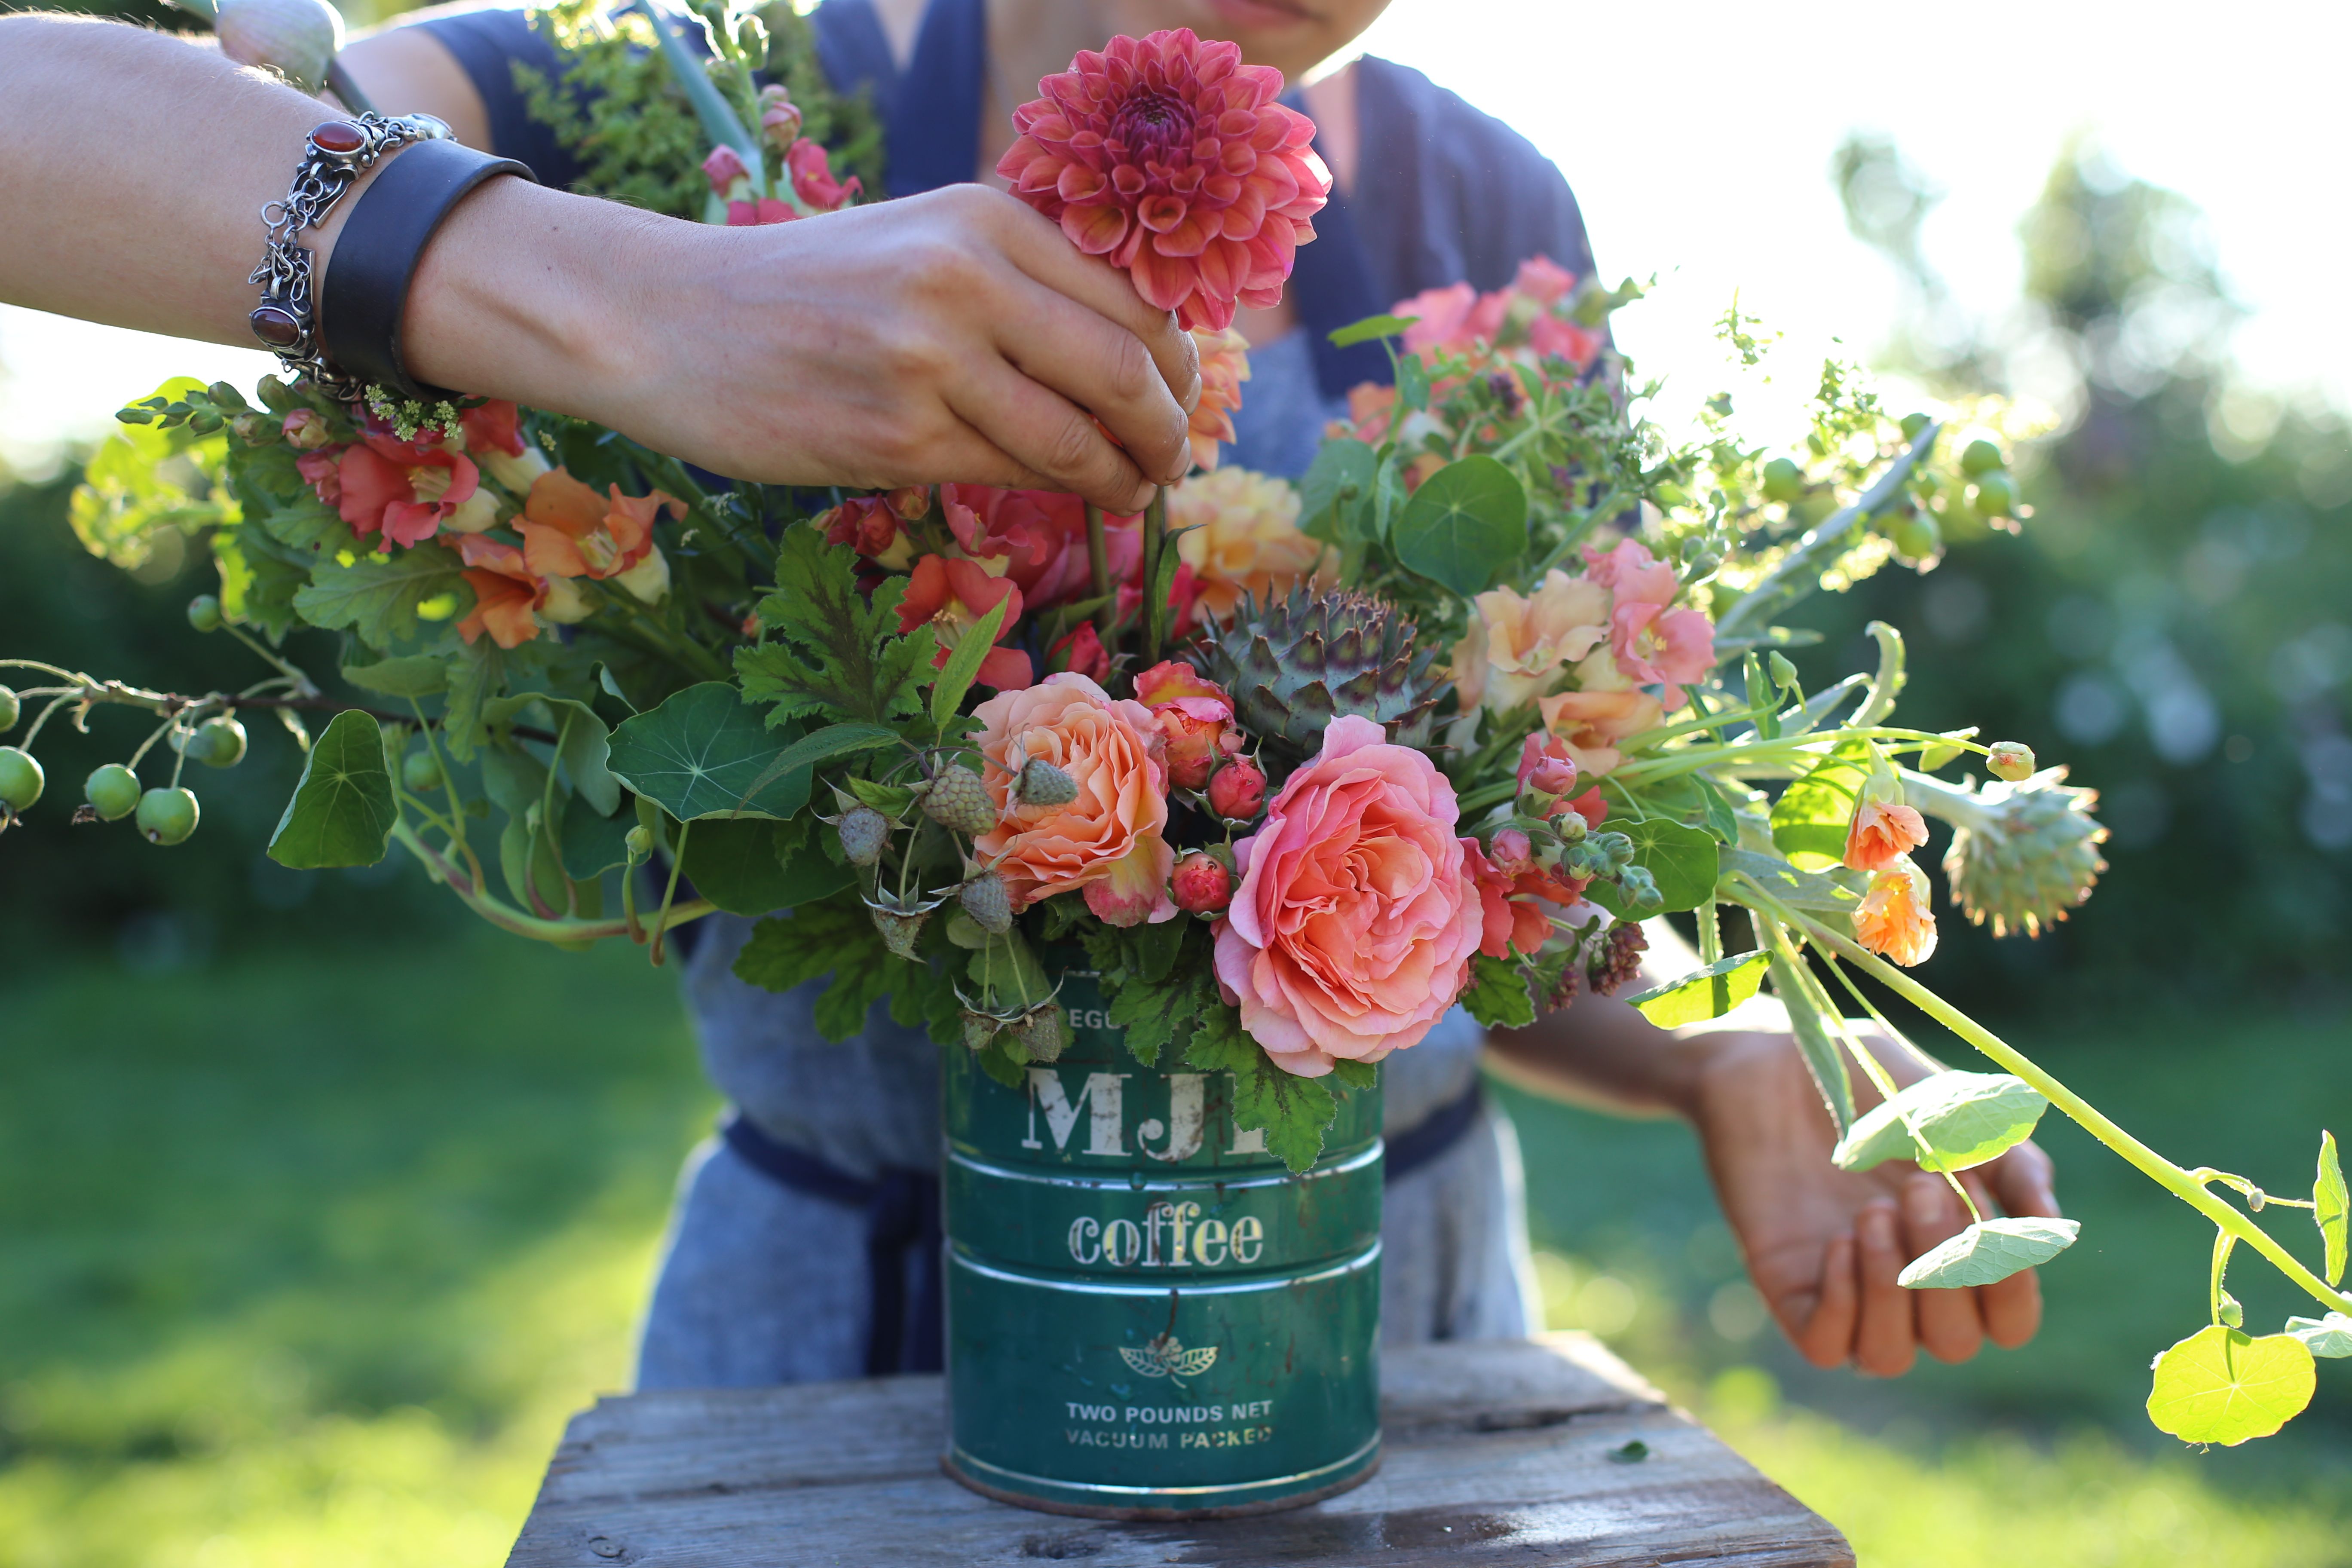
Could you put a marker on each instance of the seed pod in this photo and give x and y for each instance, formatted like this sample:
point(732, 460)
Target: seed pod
point(1042, 783)
point(218, 743)
point(864, 834)
point(420, 772)
point(989, 902)
point(959, 800)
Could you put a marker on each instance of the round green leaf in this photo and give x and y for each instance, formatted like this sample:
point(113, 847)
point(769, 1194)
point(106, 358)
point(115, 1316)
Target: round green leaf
point(1992, 1250)
point(1467, 522)
point(343, 810)
point(703, 754)
point(1968, 1119)
point(2219, 1386)
point(1681, 860)
point(1709, 993)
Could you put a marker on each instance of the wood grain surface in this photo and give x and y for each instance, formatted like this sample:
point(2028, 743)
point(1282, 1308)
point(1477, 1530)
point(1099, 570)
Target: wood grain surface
point(1497, 1451)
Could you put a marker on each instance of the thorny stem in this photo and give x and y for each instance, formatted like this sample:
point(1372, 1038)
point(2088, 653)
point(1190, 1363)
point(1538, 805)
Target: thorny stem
point(2146, 1161)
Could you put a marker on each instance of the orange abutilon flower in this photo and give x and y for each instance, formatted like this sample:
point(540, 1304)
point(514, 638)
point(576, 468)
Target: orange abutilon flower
point(1172, 159)
point(506, 592)
point(1893, 919)
point(952, 594)
point(1882, 832)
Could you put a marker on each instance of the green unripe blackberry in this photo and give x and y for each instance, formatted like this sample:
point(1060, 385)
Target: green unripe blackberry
point(112, 792)
point(167, 817)
point(1042, 783)
point(20, 779)
point(864, 833)
point(989, 902)
point(959, 800)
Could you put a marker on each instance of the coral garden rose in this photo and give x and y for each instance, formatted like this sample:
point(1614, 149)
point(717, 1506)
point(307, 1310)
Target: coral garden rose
point(1175, 161)
point(1195, 718)
point(1357, 915)
point(952, 595)
point(1244, 537)
point(1882, 832)
point(1111, 841)
point(1893, 919)
point(1517, 644)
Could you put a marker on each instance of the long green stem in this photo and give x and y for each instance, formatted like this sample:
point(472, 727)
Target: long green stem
point(1098, 564)
point(1155, 600)
point(2150, 1163)
point(506, 917)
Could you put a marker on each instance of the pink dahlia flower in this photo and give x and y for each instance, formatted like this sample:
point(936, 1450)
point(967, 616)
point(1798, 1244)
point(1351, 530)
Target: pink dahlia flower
point(1172, 159)
point(1358, 911)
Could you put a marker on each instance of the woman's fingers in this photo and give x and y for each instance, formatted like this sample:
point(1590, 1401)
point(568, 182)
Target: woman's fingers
point(1036, 244)
point(1950, 1328)
point(1885, 1344)
point(1053, 442)
point(2012, 1307)
point(1827, 1337)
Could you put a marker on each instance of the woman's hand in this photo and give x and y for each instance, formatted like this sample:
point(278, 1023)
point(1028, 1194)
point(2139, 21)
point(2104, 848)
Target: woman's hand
point(1824, 1245)
point(955, 335)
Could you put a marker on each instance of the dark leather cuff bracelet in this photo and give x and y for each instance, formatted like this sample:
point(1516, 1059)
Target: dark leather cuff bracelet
point(366, 292)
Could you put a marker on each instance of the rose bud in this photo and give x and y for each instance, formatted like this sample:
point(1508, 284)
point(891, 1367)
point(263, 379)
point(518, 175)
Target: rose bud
point(1201, 885)
point(2011, 760)
point(1552, 775)
point(1195, 717)
point(1237, 789)
point(1512, 852)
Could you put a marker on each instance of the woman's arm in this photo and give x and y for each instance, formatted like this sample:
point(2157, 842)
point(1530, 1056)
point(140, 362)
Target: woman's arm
point(952, 336)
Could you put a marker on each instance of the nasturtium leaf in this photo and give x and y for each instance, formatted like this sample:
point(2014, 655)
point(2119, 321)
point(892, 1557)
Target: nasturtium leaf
point(1681, 860)
point(1990, 1251)
point(593, 844)
point(513, 779)
point(734, 863)
point(1721, 820)
point(343, 811)
point(1810, 819)
point(698, 754)
point(1467, 522)
point(1815, 892)
point(1709, 993)
point(963, 664)
point(1968, 1119)
point(410, 675)
point(2330, 1338)
point(2332, 1207)
point(1337, 488)
point(1497, 994)
point(584, 741)
point(376, 598)
point(2218, 1386)
point(1370, 328)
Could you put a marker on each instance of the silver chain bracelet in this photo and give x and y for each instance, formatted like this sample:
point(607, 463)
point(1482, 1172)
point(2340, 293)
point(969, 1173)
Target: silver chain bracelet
point(336, 155)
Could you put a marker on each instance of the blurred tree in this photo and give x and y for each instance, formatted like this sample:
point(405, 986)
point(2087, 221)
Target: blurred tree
point(2173, 621)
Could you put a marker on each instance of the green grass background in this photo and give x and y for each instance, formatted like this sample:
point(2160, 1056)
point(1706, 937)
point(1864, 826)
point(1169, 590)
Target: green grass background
point(304, 1260)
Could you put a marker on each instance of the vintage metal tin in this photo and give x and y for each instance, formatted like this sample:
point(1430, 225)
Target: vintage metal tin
point(1148, 1315)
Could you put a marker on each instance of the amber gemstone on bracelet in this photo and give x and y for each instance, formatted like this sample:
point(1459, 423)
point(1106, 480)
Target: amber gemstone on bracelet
point(338, 136)
point(276, 327)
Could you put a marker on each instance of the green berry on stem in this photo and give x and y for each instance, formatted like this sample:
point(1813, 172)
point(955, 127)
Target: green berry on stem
point(11, 709)
point(420, 772)
point(959, 800)
point(167, 817)
point(20, 779)
point(864, 833)
point(1982, 458)
point(1915, 536)
point(1912, 424)
point(112, 792)
point(2009, 760)
point(1783, 480)
point(218, 743)
point(989, 902)
point(205, 613)
point(1996, 495)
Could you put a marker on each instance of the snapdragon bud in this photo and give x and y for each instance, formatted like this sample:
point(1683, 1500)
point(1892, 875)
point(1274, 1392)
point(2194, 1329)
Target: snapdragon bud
point(2011, 760)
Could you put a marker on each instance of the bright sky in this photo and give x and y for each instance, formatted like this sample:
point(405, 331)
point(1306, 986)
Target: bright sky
point(1698, 136)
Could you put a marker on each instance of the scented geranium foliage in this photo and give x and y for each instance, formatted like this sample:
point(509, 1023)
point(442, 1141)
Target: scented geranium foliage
point(1297, 768)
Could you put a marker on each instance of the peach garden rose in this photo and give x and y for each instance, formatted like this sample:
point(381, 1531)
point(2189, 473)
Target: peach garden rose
point(1111, 840)
point(1352, 928)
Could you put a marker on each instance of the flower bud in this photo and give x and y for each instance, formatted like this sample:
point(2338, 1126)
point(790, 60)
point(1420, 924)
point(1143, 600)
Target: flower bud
point(1201, 885)
point(778, 116)
point(2009, 760)
point(306, 430)
point(912, 502)
point(1551, 776)
point(639, 842)
point(648, 580)
point(1512, 852)
point(1237, 791)
point(566, 605)
point(516, 470)
point(723, 168)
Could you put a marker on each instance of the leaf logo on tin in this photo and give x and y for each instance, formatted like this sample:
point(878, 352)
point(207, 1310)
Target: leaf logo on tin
point(1167, 1357)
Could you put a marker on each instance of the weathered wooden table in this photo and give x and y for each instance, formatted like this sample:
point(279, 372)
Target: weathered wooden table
point(1497, 1451)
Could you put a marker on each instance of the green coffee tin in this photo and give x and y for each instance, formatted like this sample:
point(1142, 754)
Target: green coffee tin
point(1149, 1315)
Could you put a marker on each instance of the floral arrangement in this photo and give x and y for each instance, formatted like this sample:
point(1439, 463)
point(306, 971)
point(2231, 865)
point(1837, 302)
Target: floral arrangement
point(971, 737)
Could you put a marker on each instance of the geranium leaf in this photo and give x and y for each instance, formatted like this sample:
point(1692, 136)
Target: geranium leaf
point(343, 811)
point(1356, 1075)
point(1810, 819)
point(698, 754)
point(1497, 994)
point(1292, 1111)
point(815, 941)
point(1467, 522)
point(1990, 1251)
point(1709, 993)
point(1966, 1118)
point(948, 693)
point(1682, 861)
point(2330, 1337)
point(376, 598)
point(2218, 1386)
point(2331, 1207)
point(832, 651)
point(411, 675)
